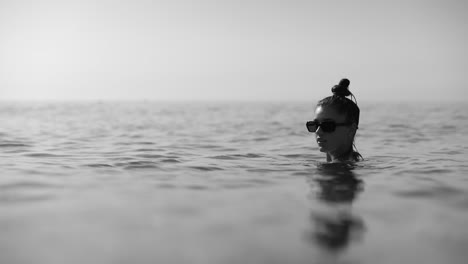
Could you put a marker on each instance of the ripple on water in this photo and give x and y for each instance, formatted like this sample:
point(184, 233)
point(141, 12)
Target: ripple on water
point(295, 156)
point(249, 155)
point(130, 143)
point(170, 160)
point(446, 152)
point(144, 143)
point(423, 171)
point(263, 170)
point(141, 164)
point(13, 145)
point(44, 155)
point(225, 157)
point(98, 165)
point(237, 156)
point(25, 191)
point(146, 150)
point(196, 187)
point(15, 199)
point(25, 185)
point(150, 156)
point(237, 185)
point(206, 168)
point(440, 192)
point(166, 186)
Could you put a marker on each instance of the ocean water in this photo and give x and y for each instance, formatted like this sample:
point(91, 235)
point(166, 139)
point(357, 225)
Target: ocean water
point(154, 182)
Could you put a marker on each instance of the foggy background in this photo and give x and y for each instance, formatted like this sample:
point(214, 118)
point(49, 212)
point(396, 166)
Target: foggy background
point(232, 50)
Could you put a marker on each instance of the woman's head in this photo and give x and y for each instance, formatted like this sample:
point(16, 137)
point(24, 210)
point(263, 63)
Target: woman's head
point(340, 103)
point(336, 121)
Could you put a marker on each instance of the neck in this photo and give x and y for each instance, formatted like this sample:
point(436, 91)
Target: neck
point(340, 155)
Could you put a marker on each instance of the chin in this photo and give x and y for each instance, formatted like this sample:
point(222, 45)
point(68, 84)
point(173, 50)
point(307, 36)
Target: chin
point(322, 149)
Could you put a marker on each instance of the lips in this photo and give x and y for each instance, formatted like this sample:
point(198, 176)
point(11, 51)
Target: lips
point(321, 141)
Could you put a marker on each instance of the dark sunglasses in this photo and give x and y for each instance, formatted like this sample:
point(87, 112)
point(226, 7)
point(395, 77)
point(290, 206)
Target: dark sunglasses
point(327, 126)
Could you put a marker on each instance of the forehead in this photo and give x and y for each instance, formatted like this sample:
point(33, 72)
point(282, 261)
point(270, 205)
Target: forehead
point(325, 113)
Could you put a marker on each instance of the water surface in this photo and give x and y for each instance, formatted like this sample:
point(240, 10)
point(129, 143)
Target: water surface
point(152, 182)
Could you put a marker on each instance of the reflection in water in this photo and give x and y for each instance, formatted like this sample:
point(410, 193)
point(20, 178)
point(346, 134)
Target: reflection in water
point(337, 189)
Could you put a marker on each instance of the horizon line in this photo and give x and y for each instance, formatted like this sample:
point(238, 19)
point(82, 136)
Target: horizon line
point(224, 100)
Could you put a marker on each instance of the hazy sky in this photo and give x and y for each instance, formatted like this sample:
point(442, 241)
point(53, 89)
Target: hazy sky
point(233, 49)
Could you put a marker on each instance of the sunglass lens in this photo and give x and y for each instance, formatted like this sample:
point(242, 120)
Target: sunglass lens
point(328, 126)
point(311, 126)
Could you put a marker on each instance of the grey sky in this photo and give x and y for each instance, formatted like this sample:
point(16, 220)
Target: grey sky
point(232, 50)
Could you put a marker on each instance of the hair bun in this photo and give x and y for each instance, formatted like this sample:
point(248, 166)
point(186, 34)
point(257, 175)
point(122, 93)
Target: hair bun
point(341, 89)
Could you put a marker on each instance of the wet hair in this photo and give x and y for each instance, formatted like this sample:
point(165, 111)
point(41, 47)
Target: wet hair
point(343, 105)
point(340, 103)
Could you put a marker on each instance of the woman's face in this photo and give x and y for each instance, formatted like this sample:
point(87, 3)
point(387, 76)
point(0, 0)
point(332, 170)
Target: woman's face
point(338, 141)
